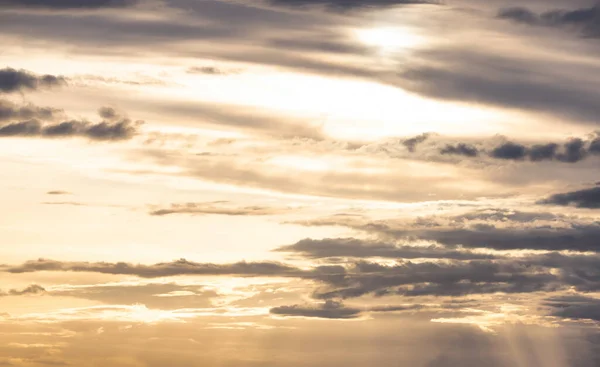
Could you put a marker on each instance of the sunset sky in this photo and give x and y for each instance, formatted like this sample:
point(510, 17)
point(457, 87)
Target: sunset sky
point(302, 183)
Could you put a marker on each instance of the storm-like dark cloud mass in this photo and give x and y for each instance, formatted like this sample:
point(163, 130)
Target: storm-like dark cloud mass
point(585, 20)
point(67, 4)
point(587, 198)
point(12, 80)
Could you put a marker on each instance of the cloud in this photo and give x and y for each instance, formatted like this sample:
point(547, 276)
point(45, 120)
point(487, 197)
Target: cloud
point(497, 230)
point(33, 289)
point(350, 4)
point(217, 208)
point(211, 70)
point(412, 143)
point(585, 20)
point(328, 310)
point(58, 192)
point(353, 247)
point(587, 198)
point(544, 87)
point(463, 149)
point(179, 267)
point(509, 151)
point(575, 307)
point(12, 80)
point(102, 131)
point(67, 4)
point(153, 295)
point(11, 111)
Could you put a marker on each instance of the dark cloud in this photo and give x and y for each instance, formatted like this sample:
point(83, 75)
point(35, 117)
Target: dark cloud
point(543, 87)
point(217, 208)
point(12, 80)
point(352, 247)
point(510, 151)
point(587, 198)
point(179, 267)
point(575, 306)
point(329, 310)
point(412, 143)
point(58, 192)
point(463, 149)
point(11, 111)
point(67, 4)
point(543, 152)
point(30, 290)
point(350, 4)
point(496, 230)
point(108, 113)
point(595, 146)
point(23, 128)
point(585, 20)
point(102, 131)
point(573, 151)
point(454, 278)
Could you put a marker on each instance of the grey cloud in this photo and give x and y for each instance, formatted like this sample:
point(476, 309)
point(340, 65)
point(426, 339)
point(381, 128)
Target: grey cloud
point(587, 198)
point(595, 146)
point(510, 233)
point(217, 208)
point(12, 111)
point(509, 151)
point(67, 4)
point(543, 152)
point(333, 309)
point(352, 247)
point(179, 267)
point(30, 290)
point(329, 310)
point(465, 75)
point(463, 149)
point(575, 307)
point(58, 192)
point(573, 151)
point(412, 143)
point(585, 20)
point(12, 80)
point(445, 279)
point(577, 238)
point(108, 113)
point(350, 4)
point(525, 274)
point(102, 131)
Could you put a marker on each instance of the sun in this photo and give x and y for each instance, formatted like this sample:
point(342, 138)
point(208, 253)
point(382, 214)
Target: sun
point(390, 38)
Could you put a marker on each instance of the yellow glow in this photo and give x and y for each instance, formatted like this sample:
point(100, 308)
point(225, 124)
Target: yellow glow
point(389, 39)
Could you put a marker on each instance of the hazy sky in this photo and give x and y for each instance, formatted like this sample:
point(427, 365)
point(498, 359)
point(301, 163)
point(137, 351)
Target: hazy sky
point(303, 183)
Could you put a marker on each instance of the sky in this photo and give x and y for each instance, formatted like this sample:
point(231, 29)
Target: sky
point(300, 183)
